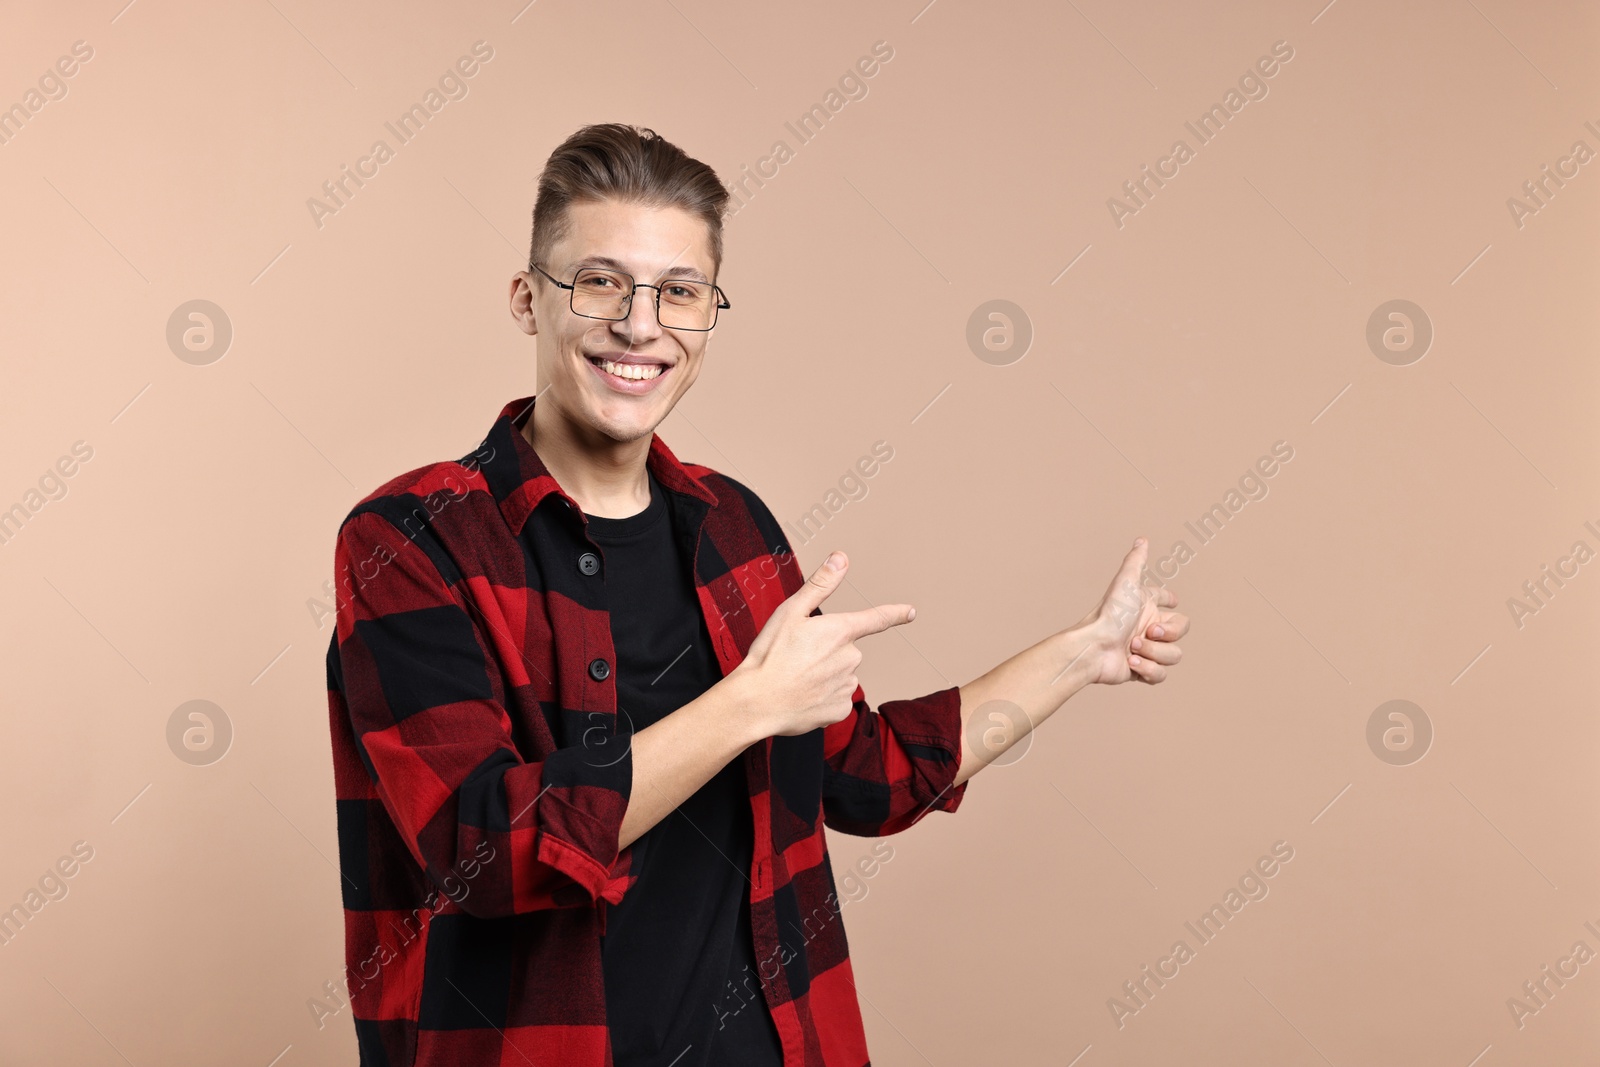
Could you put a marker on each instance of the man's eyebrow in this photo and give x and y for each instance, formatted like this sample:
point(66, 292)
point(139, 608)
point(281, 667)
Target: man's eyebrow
point(693, 273)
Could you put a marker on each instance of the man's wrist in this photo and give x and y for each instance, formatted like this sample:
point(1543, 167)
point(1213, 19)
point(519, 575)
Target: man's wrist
point(737, 707)
point(1078, 651)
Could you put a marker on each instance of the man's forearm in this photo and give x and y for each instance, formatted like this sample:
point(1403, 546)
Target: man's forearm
point(678, 754)
point(1037, 680)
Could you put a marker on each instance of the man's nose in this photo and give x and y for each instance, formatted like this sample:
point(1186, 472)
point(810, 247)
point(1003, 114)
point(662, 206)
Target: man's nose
point(641, 324)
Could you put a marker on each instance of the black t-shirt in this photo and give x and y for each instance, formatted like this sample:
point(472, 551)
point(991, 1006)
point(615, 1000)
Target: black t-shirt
point(682, 933)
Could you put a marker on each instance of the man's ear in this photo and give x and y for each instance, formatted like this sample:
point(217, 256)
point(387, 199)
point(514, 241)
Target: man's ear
point(524, 309)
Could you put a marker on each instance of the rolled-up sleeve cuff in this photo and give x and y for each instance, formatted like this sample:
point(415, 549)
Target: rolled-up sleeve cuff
point(929, 731)
point(580, 819)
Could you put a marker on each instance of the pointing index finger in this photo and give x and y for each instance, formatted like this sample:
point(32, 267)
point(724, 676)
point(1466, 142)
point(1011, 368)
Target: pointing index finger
point(875, 620)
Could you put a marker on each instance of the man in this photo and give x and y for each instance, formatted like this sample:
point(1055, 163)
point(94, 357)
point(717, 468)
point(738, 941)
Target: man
point(589, 721)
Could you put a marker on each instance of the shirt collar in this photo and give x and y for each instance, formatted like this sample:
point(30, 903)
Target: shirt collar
point(519, 479)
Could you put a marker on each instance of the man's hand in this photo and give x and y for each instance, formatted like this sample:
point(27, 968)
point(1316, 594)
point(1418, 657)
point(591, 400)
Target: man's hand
point(802, 668)
point(1131, 636)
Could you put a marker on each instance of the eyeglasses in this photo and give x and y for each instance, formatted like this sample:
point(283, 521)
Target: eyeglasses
point(681, 304)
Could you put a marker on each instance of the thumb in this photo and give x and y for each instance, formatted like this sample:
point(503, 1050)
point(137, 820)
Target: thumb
point(1124, 593)
point(1135, 560)
point(823, 581)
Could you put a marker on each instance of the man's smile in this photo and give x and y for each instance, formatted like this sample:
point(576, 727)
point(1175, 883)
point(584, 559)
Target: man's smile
point(630, 373)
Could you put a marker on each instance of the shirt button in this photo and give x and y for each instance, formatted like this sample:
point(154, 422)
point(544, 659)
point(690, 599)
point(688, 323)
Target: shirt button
point(599, 670)
point(588, 563)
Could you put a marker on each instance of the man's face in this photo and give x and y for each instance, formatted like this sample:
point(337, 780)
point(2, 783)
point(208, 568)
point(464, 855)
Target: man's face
point(651, 244)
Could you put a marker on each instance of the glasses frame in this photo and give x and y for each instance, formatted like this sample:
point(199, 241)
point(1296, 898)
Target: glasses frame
point(572, 287)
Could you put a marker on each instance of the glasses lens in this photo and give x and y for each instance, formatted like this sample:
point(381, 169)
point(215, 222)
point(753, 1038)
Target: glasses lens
point(601, 294)
point(687, 305)
point(605, 294)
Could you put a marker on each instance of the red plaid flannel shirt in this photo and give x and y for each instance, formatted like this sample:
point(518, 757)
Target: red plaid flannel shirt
point(481, 787)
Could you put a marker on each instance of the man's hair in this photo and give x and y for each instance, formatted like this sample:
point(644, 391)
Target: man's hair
point(614, 161)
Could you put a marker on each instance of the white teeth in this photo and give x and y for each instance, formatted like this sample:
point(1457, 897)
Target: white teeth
point(632, 371)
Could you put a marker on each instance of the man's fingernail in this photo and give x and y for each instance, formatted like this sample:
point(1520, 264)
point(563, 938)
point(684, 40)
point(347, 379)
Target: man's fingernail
point(911, 614)
point(1157, 632)
point(834, 561)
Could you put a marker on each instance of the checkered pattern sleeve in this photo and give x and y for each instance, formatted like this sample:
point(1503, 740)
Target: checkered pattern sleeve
point(427, 711)
point(884, 770)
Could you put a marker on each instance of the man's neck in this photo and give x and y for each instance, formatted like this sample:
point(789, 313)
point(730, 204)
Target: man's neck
point(607, 478)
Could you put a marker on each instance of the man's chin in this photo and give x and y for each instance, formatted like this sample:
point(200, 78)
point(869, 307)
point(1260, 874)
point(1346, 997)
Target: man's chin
point(625, 426)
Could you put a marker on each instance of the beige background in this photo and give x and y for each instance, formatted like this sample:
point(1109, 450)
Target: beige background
point(1226, 315)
